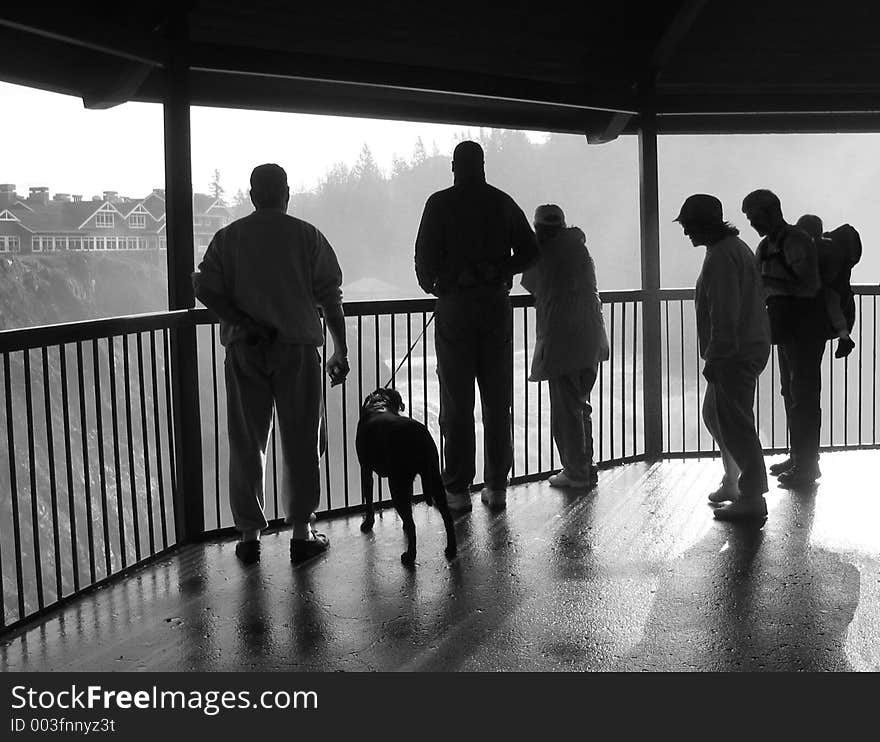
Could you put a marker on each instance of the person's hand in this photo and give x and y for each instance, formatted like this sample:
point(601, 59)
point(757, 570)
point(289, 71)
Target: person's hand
point(337, 368)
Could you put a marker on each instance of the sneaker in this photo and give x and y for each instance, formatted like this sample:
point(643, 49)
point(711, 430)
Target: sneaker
point(494, 498)
point(752, 508)
point(725, 493)
point(800, 476)
point(783, 466)
point(303, 549)
point(248, 552)
point(460, 502)
point(563, 480)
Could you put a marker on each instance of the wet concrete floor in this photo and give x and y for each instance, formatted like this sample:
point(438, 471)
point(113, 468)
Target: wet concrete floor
point(633, 576)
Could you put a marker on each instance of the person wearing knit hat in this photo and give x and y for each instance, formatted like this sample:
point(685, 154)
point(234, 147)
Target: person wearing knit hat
point(733, 332)
point(571, 340)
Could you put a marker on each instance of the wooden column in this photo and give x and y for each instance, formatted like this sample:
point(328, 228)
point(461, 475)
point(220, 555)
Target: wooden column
point(188, 494)
point(652, 367)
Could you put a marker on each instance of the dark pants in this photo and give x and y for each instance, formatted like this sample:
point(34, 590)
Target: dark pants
point(734, 391)
point(801, 348)
point(474, 342)
point(571, 422)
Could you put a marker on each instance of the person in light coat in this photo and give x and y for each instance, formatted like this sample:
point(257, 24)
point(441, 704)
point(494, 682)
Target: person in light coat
point(571, 340)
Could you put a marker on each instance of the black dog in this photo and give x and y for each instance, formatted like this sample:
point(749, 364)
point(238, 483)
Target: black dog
point(398, 447)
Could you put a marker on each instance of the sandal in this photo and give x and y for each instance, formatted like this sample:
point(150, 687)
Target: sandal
point(302, 549)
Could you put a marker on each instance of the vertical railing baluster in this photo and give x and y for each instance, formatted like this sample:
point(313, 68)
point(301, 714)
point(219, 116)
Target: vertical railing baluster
point(425, 366)
point(527, 468)
point(169, 414)
point(145, 439)
point(114, 416)
point(215, 428)
point(35, 517)
point(393, 351)
point(274, 463)
point(68, 463)
point(135, 509)
point(830, 357)
point(53, 484)
point(861, 347)
point(160, 469)
point(409, 362)
point(622, 379)
point(772, 398)
point(87, 472)
point(668, 446)
point(683, 406)
point(611, 385)
point(324, 415)
point(99, 421)
point(635, 349)
point(13, 485)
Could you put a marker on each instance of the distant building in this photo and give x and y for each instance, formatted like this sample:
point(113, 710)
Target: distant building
point(40, 224)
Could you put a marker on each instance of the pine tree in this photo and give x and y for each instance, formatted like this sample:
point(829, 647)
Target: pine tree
point(419, 153)
point(216, 189)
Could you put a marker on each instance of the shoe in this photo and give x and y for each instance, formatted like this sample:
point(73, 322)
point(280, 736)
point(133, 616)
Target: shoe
point(800, 476)
point(563, 480)
point(776, 469)
point(248, 552)
point(460, 502)
point(844, 347)
point(725, 493)
point(752, 508)
point(303, 549)
point(494, 498)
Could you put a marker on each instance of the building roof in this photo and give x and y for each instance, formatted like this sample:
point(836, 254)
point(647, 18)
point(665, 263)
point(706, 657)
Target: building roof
point(560, 66)
point(71, 216)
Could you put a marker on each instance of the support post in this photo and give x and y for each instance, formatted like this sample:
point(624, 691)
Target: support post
point(652, 366)
point(188, 495)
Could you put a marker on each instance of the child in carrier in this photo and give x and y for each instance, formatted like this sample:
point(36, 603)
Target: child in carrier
point(831, 268)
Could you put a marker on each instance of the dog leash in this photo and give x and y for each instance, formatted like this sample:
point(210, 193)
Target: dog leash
point(409, 352)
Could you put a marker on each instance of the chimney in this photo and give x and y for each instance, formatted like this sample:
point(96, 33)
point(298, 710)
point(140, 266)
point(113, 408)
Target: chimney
point(7, 193)
point(62, 197)
point(160, 192)
point(76, 197)
point(40, 194)
point(111, 196)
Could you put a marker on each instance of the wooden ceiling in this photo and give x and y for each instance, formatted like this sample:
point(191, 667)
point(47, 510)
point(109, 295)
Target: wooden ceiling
point(593, 68)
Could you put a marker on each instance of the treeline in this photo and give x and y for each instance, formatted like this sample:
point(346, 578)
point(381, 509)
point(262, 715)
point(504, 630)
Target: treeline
point(371, 217)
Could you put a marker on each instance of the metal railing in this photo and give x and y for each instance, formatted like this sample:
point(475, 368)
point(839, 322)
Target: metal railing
point(87, 472)
point(849, 386)
point(88, 487)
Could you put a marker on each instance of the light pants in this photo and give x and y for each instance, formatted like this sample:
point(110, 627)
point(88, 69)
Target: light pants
point(732, 397)
point(287, 377)
point(570, 421)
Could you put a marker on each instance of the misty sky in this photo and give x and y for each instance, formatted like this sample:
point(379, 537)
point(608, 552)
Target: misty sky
point(51, 140)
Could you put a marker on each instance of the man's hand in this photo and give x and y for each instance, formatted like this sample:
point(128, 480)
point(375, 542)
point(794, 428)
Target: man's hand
point(337, 368)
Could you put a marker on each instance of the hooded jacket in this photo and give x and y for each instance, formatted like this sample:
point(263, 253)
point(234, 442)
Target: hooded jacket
point(570, 328)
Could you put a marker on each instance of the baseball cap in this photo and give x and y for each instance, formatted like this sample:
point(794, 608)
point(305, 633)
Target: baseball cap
point(549, 215)
point(701, 208)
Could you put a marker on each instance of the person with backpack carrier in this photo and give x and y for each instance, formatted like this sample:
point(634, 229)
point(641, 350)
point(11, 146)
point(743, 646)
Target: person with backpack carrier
point(789, 265)
point(837, 251)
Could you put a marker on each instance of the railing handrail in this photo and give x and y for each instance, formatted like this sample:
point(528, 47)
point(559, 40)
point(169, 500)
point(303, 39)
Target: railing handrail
point(70, 332)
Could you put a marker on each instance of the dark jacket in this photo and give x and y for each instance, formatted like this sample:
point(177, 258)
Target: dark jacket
point(732, 322)
point(472, 234)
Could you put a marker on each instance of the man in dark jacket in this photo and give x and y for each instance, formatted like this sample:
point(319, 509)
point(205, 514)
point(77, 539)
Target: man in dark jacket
point(734, 338)
point(472, 239)
point(789, 266)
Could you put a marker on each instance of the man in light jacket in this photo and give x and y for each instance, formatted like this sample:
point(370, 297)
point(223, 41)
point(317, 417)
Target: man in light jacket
point(571, 340)
point(734, 338)
point(264, 276)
